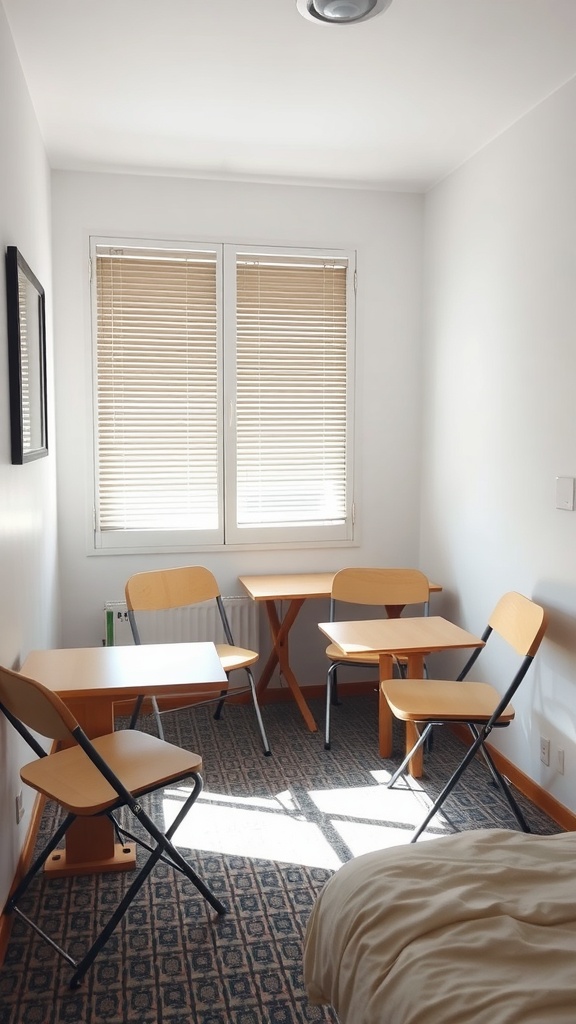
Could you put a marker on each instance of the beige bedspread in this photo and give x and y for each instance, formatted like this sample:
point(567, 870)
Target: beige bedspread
point(475, 928)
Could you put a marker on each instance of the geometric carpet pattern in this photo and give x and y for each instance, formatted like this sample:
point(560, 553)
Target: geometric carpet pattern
point(266, 835)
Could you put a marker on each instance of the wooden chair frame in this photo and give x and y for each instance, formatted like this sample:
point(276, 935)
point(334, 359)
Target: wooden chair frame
point(96, 777)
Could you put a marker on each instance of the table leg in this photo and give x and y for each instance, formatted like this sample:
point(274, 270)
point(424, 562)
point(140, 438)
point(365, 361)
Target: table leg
point(386, 671)
point(90, 842)
point(279, 632)
point(279, 655)
point(394, 611)
point(90, 849)
point(415, 670)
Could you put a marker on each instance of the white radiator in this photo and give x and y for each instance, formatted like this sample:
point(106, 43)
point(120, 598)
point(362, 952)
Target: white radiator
point(184, 625)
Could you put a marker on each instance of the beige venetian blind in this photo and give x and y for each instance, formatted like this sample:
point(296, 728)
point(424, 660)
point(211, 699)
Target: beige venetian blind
point(156, 390)
point(291, 402)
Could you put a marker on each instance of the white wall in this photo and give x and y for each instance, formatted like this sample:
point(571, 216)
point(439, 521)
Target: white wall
point(386, 231)
point(28, 548)
point(500, 386)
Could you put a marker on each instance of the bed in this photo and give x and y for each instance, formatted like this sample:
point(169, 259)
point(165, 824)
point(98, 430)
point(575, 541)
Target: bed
point(473, 928)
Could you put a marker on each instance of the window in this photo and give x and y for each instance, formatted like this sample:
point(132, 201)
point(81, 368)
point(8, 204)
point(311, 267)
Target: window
point(223, 395)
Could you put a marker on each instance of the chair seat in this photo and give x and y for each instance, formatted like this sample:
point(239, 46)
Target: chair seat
point(235, 657)
point(336, 653)
point(428, 700)
point(139, 760)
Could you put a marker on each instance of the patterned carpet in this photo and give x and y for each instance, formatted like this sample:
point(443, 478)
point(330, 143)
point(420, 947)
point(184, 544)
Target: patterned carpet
point(265, 835)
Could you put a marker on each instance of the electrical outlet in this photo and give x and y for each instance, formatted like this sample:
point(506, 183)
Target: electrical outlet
point(19, 807)
point(560, 761)
point(545, 750)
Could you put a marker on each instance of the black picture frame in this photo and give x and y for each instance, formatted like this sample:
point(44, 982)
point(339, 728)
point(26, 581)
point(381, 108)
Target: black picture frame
point(25, 304)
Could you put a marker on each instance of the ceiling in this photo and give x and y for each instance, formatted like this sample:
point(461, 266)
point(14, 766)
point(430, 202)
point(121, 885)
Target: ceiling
point(251, 90)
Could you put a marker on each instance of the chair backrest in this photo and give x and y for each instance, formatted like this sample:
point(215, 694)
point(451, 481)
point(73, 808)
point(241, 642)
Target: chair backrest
point(161, 590)
point(520, 621)
point(522, 624)
point(170, 588)
point(374, 586)
point(31, 704)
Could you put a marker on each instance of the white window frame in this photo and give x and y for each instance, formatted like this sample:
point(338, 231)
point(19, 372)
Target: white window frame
point(228, 534)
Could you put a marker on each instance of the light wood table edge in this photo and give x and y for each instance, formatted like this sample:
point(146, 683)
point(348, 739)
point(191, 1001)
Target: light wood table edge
point(269, 588)
point(414, 670)
point(90, 845)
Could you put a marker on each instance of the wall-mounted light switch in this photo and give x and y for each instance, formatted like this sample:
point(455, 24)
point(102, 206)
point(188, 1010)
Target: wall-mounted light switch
point(565, 492)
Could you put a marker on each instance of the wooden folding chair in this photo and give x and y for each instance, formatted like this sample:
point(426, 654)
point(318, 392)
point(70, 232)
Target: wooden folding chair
point(479, 706)
point(96, 777)
point(388, 590)
point(165, 590)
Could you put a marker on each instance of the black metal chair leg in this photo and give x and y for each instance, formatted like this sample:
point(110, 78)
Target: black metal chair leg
point(164, 846)
point(38, 863)
point(267, 751)
point(505, 790)
point(470, 754)
point(399, 771)
point(220, 706)
point(330, 700)
point(136, 712)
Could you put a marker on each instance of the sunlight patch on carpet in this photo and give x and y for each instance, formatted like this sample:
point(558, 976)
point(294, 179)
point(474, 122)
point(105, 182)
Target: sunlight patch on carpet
point(251, 831)
point(363, 818)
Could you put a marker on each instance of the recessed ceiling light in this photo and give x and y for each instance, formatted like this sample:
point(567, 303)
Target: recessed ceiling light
point(341, 12)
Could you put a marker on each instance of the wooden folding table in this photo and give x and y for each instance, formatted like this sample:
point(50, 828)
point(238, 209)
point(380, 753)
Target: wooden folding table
point(90, 680)
point(294, 588)
point(413, 638)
